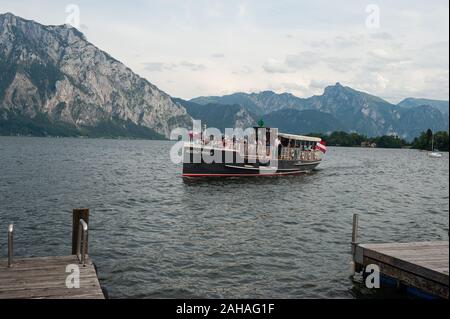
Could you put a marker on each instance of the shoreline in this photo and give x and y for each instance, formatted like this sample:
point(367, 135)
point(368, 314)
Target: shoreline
point(168, 140)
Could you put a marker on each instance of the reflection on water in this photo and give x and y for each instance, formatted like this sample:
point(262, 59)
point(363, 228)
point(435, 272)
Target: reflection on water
point(154, 234)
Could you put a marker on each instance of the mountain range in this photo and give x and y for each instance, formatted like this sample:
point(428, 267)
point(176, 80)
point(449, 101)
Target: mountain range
point(53, 82)
point(412, 102)
point(339, 108)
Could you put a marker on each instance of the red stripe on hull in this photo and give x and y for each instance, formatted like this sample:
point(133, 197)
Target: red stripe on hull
point(239, 175)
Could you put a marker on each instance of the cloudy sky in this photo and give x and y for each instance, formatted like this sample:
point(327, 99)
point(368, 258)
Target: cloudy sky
point(394, 49)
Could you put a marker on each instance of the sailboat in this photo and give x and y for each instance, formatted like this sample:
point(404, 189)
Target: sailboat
point(434, 153)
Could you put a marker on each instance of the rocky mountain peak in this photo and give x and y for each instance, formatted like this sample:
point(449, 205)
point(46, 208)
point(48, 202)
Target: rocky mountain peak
point(338, 88)
point(8, 16)
point(54, 71)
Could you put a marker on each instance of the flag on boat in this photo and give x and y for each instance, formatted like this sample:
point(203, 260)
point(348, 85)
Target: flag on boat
point(321, 147)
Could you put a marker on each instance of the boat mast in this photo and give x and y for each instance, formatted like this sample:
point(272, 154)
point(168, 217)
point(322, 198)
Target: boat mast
point(432, 141)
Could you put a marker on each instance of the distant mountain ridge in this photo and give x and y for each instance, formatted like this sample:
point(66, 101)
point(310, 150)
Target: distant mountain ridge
point(218, 115)
point(437, 104)
point(257, 103)
point(342, 108)
point(303, 121)
point(53, 81)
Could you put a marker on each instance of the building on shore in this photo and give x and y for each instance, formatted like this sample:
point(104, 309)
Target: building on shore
point(368, 144)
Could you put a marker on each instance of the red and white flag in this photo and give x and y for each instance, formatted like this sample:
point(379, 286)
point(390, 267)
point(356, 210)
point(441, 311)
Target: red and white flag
point(321, 147)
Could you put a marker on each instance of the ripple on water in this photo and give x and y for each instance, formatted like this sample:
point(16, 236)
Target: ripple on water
point(156, 235)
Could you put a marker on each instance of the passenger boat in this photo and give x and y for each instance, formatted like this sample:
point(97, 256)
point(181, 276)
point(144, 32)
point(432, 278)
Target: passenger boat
point(263, 152)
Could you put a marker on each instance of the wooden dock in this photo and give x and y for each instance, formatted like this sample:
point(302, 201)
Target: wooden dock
point(55, 277)
point(45, 277)
point(423, 266)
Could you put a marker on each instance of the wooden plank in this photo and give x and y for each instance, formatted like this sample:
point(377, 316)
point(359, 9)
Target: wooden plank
point(41, 265)
point(440, 262)
point(7, 283)
point(39, 290)
point(41, 261)
point(48, 268)
point(437, 256)
point(52, 293)
point(414, 252)
point(412, 248)
point(400, 246)
point(45, 277)
point(57, 260)
point(84, 284)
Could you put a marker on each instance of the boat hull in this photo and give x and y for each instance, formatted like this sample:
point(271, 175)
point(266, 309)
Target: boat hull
point(435, 155)
point(243, 168)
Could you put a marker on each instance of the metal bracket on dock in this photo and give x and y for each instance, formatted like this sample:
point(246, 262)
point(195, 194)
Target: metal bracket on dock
point(82, 242)
point(10, 245)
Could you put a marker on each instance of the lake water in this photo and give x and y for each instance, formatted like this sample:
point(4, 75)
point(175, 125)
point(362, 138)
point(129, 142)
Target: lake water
point(154, 235)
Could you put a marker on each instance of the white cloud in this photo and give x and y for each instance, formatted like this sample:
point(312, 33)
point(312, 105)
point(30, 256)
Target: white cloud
point(318, 84)
point(161, 66)
point(302, 60)
point(242, 9)
point(244, 70)
point(385, 36)
point(157, 66)
point(193, 66)
point(275, 66)
point(295, 46)
point(294, 87)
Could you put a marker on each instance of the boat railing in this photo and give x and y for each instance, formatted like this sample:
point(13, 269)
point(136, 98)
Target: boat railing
point(254, 150)
point(214, 144)
point(298, 155)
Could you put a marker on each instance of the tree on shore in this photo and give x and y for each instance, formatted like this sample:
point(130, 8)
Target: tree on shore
point(423, 142)
point(354, 139)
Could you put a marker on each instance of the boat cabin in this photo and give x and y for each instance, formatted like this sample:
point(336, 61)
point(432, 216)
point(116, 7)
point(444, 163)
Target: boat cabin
point(298, 147)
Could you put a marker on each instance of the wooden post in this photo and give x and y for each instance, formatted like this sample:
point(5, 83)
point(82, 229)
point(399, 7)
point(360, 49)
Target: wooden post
point(77, 215)
point(355, 232)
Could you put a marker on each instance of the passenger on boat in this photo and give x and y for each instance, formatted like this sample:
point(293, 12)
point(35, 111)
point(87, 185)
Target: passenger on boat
point(278, 146)
point(245, 148)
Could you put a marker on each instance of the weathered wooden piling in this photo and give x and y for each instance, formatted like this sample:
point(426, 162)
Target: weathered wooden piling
point(355, 231)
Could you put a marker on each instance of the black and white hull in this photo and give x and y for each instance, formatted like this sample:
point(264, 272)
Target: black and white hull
point(231, 164)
